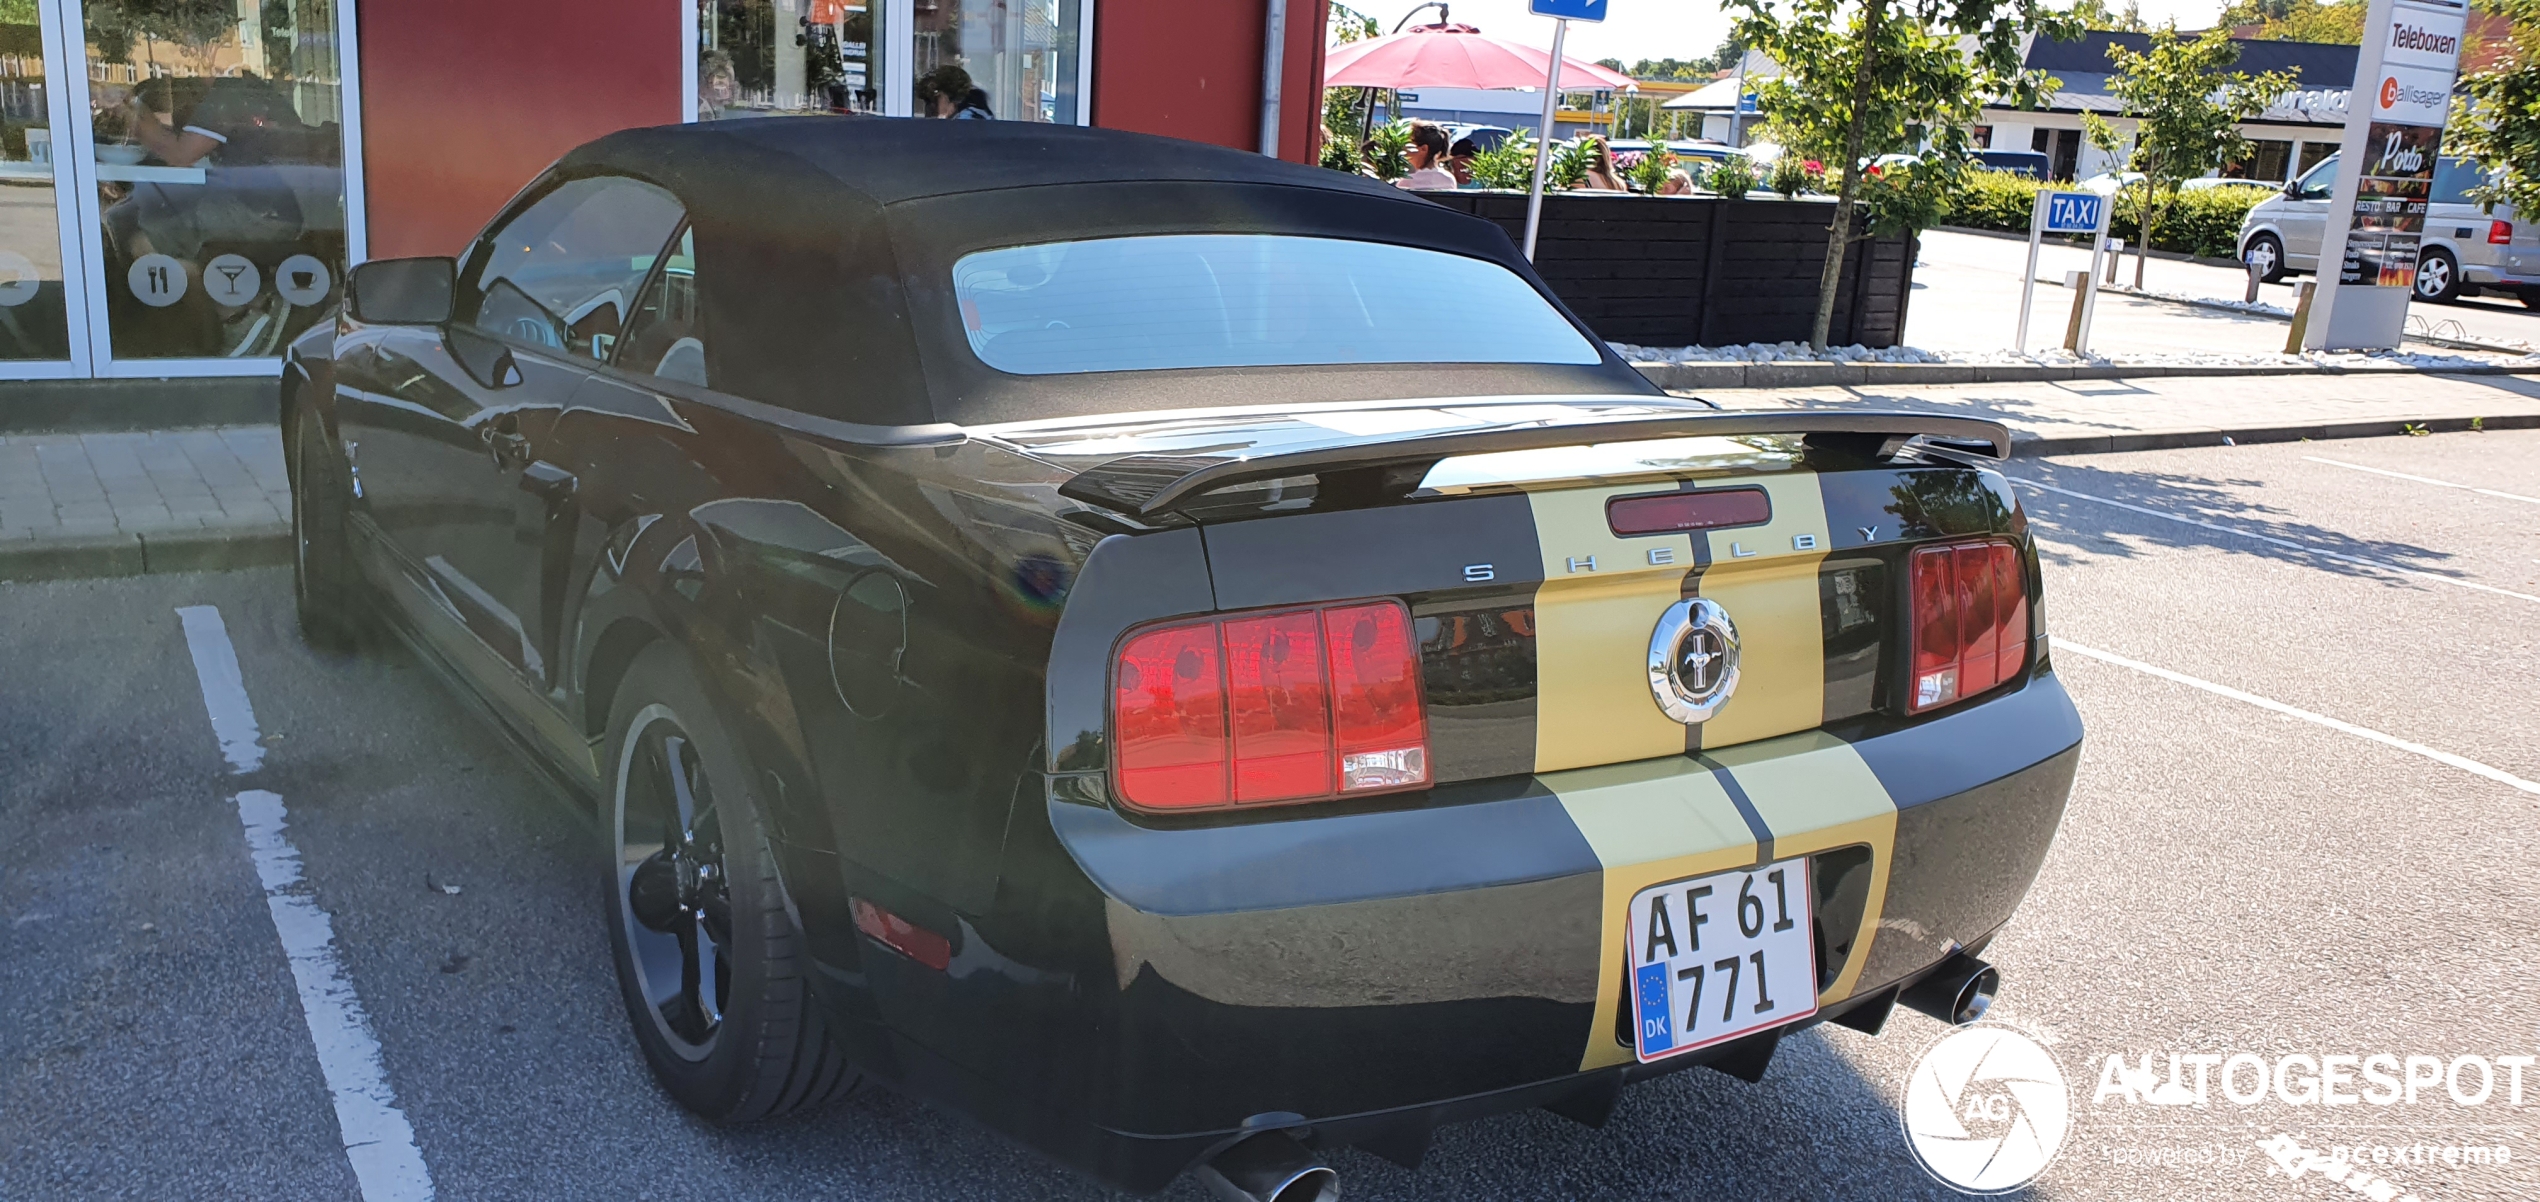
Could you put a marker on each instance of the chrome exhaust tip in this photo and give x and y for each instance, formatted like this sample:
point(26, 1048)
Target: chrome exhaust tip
point(1960, 991)
point(1272, 1167)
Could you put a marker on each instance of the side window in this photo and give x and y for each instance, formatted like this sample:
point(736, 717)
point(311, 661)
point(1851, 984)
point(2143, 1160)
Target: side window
point(2453, 178)
point(2321, 181)
point(562, 272)
point(663, 336)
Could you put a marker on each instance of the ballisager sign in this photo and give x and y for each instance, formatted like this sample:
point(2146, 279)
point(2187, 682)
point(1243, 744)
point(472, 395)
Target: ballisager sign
point(2394, 135)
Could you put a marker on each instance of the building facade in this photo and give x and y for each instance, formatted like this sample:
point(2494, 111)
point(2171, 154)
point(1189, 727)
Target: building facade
point(2301, 128)
point(183, 185)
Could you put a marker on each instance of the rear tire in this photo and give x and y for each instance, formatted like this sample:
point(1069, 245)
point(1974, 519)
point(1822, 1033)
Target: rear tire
point(2267, 252)
point(323, 586)
point(2438, 275)
point(712, 970)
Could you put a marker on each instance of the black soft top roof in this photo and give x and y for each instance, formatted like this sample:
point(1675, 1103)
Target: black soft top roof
point(825, 246)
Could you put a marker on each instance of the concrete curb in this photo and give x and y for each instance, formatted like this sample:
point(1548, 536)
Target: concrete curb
point(1688, 377)
point(210, 549)
point(2215, 436)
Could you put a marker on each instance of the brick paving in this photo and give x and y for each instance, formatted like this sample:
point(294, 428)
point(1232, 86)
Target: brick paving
point(82, 486)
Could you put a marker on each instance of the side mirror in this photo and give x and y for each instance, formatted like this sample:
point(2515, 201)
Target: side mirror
point(409, 292)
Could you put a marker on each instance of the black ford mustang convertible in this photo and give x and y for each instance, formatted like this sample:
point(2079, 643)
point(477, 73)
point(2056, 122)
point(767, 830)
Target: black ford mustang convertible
point(1185, 658)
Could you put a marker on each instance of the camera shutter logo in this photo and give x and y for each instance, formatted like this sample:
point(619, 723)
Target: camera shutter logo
point(1986, 1109)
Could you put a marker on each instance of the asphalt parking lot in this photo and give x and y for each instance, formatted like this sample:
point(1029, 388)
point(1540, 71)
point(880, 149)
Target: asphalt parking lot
point(2304, 825)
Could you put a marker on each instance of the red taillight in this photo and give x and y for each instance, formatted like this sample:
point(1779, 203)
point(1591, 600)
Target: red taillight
point(1970, 621)
point(2500, 233)
point(1295, 705)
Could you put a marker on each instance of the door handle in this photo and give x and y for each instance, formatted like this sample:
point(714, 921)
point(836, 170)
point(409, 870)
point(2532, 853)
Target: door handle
point(547, 481)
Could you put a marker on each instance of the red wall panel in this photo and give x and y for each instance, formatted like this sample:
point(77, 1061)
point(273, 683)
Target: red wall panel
point(463, 101)
point(1193, 70)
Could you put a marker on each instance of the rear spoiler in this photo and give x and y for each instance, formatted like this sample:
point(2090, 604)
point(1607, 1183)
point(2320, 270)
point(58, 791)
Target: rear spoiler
point(1145, 486)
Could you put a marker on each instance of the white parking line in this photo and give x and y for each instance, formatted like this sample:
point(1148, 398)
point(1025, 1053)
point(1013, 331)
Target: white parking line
point(2484, 492)
point(2445, 758)
point(2286, 543)
point(377, 1139)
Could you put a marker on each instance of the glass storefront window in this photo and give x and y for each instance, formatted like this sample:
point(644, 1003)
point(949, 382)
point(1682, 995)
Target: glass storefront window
point(220, 181)
point(34, 319)
point(756, 58)
point(1012, 60)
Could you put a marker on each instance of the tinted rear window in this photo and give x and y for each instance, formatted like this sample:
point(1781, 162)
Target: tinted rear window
point(2453, 178)
point(1249, 300)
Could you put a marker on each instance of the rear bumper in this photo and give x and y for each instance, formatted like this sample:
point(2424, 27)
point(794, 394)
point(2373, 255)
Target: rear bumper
point(1369, 976)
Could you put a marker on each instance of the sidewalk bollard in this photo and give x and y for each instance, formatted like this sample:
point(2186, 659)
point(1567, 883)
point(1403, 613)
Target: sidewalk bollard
point(2116, 255)
point(2301, 316)
point(2254, 273)
point(2077, 328)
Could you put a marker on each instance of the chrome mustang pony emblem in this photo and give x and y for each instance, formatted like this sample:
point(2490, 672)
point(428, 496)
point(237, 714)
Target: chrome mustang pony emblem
point(1693, 660)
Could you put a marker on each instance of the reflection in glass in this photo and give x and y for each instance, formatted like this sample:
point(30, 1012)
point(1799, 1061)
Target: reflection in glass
point(757, 58)
point(33, 321)
point(1011, 60)
point(219, 167)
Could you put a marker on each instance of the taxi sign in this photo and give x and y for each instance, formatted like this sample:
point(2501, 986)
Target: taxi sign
point(1568, 10)
point(2070, 212)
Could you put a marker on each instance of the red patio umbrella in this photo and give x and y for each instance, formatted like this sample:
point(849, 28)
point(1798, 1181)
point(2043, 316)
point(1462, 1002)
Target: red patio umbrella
point(1456, 56)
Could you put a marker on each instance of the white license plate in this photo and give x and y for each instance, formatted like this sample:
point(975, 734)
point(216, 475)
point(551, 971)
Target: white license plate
point(1720, 956)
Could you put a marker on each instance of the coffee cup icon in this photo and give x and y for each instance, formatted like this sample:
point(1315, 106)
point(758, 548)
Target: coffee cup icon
point(302, 280)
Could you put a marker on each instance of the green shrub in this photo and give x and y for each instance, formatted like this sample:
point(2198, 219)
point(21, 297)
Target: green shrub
point(1733, 178)
point(1392, 156)
point(1994, 200)
point(1648, 170)
point(1511, 164)
point(2204, 222)
point(1340, 151)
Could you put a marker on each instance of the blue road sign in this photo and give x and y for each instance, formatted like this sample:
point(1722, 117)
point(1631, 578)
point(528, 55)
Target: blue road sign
point(2072, 212)
point(1572, 10)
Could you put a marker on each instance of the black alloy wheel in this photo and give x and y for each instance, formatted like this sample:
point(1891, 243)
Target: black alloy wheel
point(2266, 253)
point(2438, 275)
point(709, 962)
point(323, 587)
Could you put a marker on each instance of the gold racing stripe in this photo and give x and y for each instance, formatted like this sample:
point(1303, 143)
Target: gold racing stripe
point(1601, 596)
point(1648, 822)
point(1766, 577)
point(1816, 793)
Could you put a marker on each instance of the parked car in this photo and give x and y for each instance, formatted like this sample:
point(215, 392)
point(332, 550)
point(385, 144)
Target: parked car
point(1031, 632)
point(1485, 138)
point(2107, 183)
point(2465, 249)
point(2029, 163)
point(1684, 148)
point(2207, 183)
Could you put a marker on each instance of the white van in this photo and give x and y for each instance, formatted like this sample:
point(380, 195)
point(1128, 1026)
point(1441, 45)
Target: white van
point(2466, 251)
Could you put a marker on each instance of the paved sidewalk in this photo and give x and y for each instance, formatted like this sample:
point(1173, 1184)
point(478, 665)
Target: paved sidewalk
point(115, 504)
point(2082, 416)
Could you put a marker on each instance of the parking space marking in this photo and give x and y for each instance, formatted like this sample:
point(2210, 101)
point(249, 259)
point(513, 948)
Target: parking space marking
point(378, 1141)
point(2286, 543)
point(2445, 758)
point(2484, 492)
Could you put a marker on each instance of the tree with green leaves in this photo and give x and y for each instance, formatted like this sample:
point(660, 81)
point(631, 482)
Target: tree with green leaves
point(1341, 106)
point(2496, 117)
point(1863, 78)
point(2095, 14)
point(2339, 22)
point(2187, 105)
